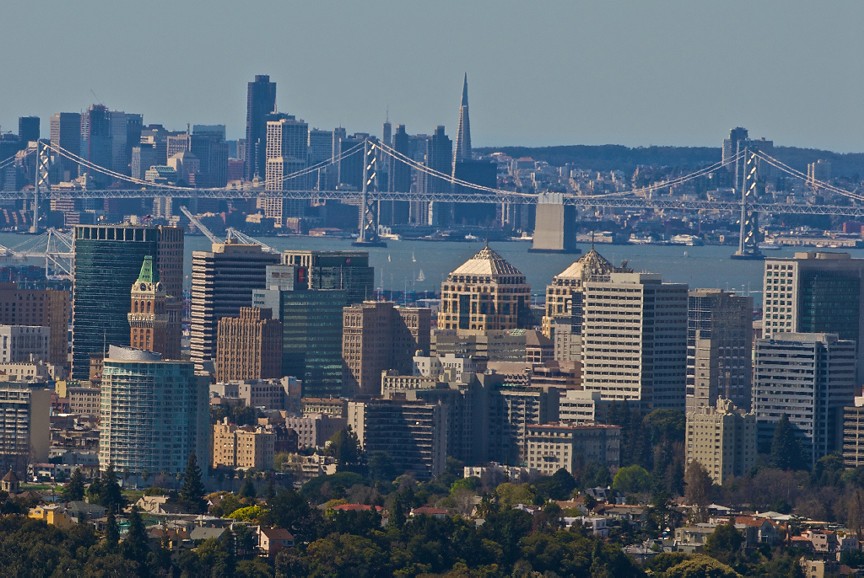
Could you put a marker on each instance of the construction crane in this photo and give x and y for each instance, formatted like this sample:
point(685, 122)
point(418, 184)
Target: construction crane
point(231, 233)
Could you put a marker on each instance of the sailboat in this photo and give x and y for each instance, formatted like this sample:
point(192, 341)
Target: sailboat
point(421, 276)
point(413, 258)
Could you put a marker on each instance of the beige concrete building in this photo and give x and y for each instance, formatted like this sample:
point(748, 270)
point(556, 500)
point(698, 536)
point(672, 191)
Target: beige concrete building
point(485, 293)
point(24, 426)
point(553, 446)
point(242, 447)
point(84, 400)
point(853, 434)
point(577, 406)
point(723, 439)
point(635, 340)
point(249, 347)
point(378, 336)
point(564, 295)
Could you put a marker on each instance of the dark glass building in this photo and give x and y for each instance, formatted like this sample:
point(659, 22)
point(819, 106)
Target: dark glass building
point(108, 260)
point(260, 101)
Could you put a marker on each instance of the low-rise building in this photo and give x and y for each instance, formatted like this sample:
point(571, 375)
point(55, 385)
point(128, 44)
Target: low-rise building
point(551, 447)
point(313, 431)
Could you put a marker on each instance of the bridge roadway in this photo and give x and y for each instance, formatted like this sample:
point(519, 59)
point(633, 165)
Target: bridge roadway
point(612, 201)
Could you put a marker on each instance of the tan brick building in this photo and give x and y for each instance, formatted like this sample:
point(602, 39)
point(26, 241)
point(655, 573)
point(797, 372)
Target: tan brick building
point(242, 447)
point(485, 293)
point(45, 308)
point(249, 346)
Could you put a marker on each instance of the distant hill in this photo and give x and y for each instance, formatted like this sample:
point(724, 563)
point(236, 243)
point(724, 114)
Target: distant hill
point(608, 157)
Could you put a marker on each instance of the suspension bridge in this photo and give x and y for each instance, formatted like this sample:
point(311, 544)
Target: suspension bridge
point(746, 204)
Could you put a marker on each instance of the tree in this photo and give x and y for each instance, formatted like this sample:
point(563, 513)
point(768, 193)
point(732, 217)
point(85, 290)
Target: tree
point(632, 480)
point(192, 491)
point(724, 543)
point(247, 490)
point(345, 447)
point(346, 555)
point(786, 451)
point(136, 546)
point(558, 486)
point(701, 566)
point(74, 490)
point(697, 485)
point(110, 494)
point(112, 531)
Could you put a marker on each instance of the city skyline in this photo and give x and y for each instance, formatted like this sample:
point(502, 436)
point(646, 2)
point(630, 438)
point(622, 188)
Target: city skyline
point(669, 75)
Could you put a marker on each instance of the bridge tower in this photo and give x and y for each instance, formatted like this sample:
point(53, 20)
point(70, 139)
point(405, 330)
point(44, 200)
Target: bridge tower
point(368, 233)
point(748, 242)
point(43, 163)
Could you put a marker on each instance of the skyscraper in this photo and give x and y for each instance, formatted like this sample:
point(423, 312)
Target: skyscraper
point(260, 101)
point(96, 143)
point(377, 336)
point(287, 153)
point(719, 348)
point(485, 293)
point(809, 378)
point(28, 129)
point(816, 292)
point(462, 145)
point(66, 133)
point(207, 142)
point(108, 261)
point(222, 282)
point(249, 346)
point(154, 413)
point(634, 340)
point(348, 270)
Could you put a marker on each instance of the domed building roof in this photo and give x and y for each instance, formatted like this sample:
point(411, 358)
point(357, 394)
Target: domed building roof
point(589, 265)
point(487, 263)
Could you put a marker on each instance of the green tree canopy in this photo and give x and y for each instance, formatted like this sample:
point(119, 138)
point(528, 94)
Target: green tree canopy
point(632, 480)
point(192, 490)
point(786, 453)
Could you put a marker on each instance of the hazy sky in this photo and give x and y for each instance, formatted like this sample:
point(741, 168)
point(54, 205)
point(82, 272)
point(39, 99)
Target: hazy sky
point(540, 72)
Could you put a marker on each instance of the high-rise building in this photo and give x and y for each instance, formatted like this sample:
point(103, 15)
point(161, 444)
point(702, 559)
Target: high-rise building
point(722, 439)
point(45, 308)
point(96, 144)
point(155, 319)
point(398, 180)
point(634, 340)
point(249, 346)
point(377, 336)
point(485, 293)
point(28, 129)
point(853, 433)
point(438, 157)
point(154, 414)
point(108, 261)
point(809, 378)
point(287, 152)
point(412, 433)
point(23, 343)
point(66, 133)
point(348, 270)
point(462, 145)
point(144, 156)
point(24, 426)
point(311, 328)
point(222, 282)
point(260, 101)
point(565, 298)
point(719, 348)
point(207, 142)
point(351, 165)
point(319, 150)
point(815, 292)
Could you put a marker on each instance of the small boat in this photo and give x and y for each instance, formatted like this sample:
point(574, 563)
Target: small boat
point(421, 276)
point(413, 258)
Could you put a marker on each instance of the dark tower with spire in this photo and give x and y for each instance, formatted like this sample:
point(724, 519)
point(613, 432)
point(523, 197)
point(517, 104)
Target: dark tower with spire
point(462, 146)
point(466, 168)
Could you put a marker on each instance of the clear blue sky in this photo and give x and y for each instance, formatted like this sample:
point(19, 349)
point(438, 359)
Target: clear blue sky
point(541, 73)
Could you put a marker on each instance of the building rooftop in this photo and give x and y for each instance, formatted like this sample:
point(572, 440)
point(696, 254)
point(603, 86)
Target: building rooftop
point(486, 262)
point(588, 265)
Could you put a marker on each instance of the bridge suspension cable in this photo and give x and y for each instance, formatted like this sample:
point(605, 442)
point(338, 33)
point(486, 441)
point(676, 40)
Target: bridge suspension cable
point(796, 173)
